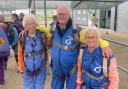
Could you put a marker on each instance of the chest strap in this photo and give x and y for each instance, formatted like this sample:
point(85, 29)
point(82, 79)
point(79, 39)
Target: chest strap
point(29, 54)
point(92, 76)
point(106, 63)
point(64, 47)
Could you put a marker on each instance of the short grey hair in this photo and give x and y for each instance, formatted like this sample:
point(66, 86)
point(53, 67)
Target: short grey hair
point(93, 29)
point(67, 7)
point(28, 17)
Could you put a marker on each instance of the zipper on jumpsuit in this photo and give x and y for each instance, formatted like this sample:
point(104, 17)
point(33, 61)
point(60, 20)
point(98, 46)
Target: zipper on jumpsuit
point(59, 59)
point(90, 85)
point(89, 79)
point(34, 65)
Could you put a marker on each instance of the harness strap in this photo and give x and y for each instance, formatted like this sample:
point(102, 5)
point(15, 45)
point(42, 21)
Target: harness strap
point(37, 71)
point(105, 67)
point(64, 46)
point(29, 54)
point(76, 30)
point(93, 77)
point(71, 72)
point(104, 86)
point(68, 75)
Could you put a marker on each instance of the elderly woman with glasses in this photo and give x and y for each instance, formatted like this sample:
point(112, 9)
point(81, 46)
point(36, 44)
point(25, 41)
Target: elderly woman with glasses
point(98, 72)
point(32, 55)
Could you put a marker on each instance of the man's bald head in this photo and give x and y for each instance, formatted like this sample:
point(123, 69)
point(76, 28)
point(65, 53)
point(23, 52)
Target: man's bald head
point(63, 14)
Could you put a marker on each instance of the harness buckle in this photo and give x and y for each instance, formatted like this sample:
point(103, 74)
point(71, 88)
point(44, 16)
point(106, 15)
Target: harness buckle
point(93, 77)
point(66, 47)
point(28, 54)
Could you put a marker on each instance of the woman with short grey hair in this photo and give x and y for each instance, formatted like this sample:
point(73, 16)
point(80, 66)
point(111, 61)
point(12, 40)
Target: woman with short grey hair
point(99, 72)
point(32, 56)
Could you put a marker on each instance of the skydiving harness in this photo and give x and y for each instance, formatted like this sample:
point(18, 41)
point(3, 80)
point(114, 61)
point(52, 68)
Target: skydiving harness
point(29, 54)
point(106, 63)
point(76, 30)
point(105, 71)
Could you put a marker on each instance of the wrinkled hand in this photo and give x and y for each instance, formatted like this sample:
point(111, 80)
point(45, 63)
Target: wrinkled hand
point(23, 33)
point(107, 52)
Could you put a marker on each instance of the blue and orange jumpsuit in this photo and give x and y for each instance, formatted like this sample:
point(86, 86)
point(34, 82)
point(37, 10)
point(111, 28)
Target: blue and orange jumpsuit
point(32, 60)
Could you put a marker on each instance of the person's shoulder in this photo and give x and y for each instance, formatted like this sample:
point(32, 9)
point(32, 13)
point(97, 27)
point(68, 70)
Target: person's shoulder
point(11, 26)
point(41, 33)
point(13, 29)
point(42, 28)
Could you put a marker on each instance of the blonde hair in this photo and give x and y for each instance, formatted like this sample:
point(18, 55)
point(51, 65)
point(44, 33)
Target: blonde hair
point(28, 17)
point(93, 29)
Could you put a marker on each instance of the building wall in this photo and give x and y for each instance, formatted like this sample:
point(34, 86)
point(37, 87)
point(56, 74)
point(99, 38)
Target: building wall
point(122, 17)
point(82, 16)
point(122, 21)
point(112, 18)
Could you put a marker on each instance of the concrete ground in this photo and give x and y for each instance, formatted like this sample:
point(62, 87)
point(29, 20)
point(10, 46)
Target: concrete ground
point(13, 80)
point(121, 53)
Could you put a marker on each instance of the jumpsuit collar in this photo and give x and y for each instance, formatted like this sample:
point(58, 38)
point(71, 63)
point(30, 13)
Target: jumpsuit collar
point(93, 50)
point(61, 32)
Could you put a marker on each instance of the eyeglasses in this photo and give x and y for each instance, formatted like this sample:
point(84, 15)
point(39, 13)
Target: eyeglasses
point(91, 37)
point(61, 14)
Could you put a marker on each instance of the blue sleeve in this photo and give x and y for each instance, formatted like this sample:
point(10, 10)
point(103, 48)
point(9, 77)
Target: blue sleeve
point(15, 41)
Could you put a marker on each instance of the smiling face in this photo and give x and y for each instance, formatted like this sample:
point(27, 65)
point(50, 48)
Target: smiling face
point(63, 15)
point(91, 39)
point(30, 24)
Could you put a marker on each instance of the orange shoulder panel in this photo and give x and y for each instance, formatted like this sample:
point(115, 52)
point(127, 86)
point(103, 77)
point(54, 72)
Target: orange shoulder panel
point(20, 58)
